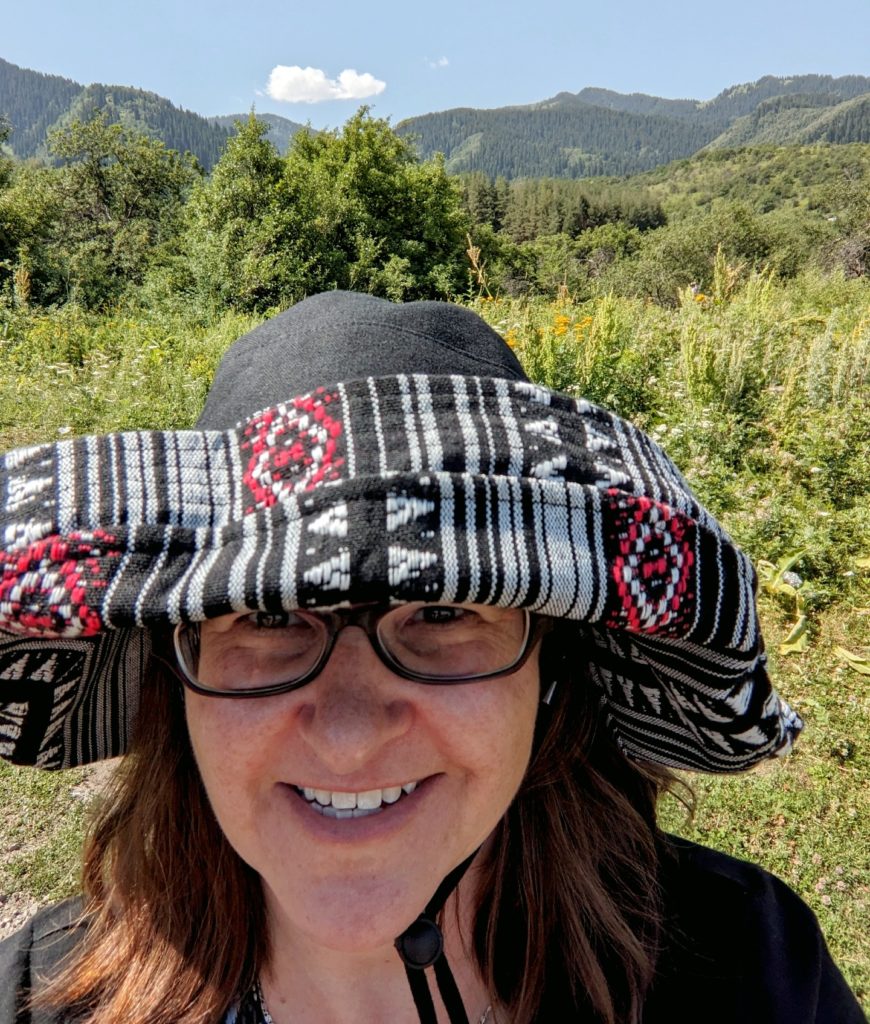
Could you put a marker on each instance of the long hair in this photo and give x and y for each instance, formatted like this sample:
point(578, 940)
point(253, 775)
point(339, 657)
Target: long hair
point(569, 911)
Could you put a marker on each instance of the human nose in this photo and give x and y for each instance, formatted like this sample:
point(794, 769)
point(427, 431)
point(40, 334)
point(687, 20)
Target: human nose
point(355, 707)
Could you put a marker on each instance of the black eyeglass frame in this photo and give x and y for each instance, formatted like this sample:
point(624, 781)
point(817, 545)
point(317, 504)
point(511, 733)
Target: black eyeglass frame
point(367, 618)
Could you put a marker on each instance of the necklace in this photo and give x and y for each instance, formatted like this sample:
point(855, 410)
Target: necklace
point(267, 1017)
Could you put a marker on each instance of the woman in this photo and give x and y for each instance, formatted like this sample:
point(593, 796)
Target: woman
point(441, 634)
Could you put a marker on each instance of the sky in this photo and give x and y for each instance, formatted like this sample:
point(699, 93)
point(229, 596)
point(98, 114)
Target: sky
point(403, 58)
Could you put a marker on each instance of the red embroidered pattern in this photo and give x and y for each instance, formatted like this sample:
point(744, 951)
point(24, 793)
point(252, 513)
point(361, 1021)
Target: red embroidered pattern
point(294, 448)
point(652, 566)
point(51, 586)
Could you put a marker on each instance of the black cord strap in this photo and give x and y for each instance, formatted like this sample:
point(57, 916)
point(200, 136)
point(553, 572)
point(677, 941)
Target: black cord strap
point(422, 995)
point(450, 992)
point(421, 945)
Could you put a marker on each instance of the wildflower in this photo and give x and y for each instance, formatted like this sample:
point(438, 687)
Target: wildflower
point(560, 324)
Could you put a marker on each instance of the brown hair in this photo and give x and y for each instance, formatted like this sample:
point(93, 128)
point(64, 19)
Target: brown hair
point(569, 910)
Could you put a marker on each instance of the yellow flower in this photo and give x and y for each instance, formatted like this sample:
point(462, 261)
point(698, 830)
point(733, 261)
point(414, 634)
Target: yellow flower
point(560, 324)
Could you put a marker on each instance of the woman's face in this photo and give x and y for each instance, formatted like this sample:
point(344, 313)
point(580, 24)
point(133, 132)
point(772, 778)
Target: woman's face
point(352, 882)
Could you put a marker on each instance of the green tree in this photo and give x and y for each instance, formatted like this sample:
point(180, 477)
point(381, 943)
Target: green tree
point(118, 199)
point(383, 222)
point(5, 162)
point(28, 211)
point(346, 209)
point(245, 229)
point(849, 195)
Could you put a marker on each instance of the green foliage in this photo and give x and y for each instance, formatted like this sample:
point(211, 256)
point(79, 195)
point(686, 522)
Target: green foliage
point(349, 209)
point(527, 209)
point(127, 369)
point(281, 129)
point(598, 132)
point(38, 104)
point(684, 253)
point(118, 198)
point(783, 210)
point(242, 242)
point(88, 231)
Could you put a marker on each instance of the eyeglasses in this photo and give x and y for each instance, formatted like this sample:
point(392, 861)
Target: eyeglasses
point(256, 654)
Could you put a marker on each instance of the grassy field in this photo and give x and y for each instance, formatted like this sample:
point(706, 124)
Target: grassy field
point(759, 391)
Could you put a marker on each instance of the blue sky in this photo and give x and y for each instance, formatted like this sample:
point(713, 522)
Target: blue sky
point(412, 58)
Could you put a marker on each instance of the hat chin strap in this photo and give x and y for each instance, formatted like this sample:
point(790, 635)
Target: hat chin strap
point(421, 945)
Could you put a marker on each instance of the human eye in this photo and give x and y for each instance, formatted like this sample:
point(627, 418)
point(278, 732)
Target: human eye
point(432, 624)
point(264, 622)
point(442, 614)
point(270, 620)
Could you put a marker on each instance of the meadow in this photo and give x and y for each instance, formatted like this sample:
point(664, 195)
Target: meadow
point(758, 388)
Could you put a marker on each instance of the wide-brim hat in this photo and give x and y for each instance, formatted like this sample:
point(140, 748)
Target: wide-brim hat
point(399, 454)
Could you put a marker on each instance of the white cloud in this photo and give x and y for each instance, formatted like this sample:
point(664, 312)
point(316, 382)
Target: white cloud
point(441, 62)
point(311, 85)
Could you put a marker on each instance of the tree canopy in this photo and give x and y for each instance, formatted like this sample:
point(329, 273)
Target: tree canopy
point(353, 208)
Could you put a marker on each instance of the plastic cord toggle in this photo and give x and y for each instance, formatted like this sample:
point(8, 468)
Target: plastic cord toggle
point(420, 944)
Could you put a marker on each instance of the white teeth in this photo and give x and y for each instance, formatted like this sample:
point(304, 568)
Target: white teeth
point(332, 812)
point(342, 804)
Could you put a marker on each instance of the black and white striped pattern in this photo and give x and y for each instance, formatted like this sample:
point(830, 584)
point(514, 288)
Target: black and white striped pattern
point(399, 488)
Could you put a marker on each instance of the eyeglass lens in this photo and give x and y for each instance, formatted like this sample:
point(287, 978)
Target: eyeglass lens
point(254, 650)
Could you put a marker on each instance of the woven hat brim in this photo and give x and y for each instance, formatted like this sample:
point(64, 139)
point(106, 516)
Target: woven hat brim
point(400, 488)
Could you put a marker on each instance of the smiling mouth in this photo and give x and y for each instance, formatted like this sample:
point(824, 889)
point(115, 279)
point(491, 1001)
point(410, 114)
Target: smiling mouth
point(337, 804)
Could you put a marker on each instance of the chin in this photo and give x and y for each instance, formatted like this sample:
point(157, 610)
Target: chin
point(358, 915)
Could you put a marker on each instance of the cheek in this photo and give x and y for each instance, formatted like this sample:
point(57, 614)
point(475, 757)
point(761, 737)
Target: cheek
point(494, 729)
point(228, 747)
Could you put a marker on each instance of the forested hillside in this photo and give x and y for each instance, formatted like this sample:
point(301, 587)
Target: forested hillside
point(32, 102)
point(781, 210)
point(566, 139)
point(596, 131)
point(586, 134)
point(35, 104)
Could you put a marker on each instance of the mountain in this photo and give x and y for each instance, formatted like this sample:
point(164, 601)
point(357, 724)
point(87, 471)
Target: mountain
point(281, 129)
point(35, 104)
point(597, 131)
point(32, 102)
point(559, 139)
point(571, 135)
point(800, 118)
point(630, 103)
